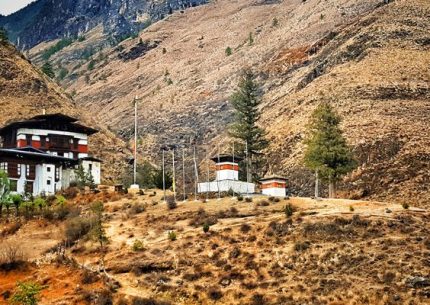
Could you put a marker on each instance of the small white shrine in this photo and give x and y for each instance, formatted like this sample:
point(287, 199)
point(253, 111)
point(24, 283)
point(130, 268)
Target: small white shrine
point(274, 186)
point(227, 177)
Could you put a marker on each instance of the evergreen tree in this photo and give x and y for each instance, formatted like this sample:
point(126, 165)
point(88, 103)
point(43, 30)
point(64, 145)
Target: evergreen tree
point(48, 70)
point(327, 152)
point(246, 101)
point(158, 179)
point(3, 35)
point(4, 190)
point(27, 293)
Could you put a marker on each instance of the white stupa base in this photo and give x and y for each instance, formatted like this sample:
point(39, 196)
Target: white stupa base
point(239, 187)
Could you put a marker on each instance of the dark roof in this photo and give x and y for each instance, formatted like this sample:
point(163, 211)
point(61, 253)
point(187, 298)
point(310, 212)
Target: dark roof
point(226, 158)
point(34, 154)
point(273, 178)
point(91, 158)
point(50, 121)
point(55, 116)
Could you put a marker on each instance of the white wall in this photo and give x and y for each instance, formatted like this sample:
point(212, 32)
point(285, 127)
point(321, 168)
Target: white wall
point(226, 185)
point(276, 192)
point(96, 169)
point(227, 174)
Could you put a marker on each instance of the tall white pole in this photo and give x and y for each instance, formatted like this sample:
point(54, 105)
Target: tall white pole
point(208, 185)
point(183, 172)
point(135, 142)
point(174, 174)
point(196, 170)
point(234, 177)
point(217, 176)
point(247, 169)
point(164, 179)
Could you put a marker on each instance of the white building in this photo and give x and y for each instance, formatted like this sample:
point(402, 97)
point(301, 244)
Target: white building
point(227, 177)
point(274, 186)
point(40, 154)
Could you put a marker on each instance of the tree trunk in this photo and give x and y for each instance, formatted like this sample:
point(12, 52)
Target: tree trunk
point(316, 184)
point(332, 189)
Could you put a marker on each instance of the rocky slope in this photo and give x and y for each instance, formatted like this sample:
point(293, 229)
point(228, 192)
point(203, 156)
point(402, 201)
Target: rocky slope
point(369, 57)
point(25, 92)
point(37, 23)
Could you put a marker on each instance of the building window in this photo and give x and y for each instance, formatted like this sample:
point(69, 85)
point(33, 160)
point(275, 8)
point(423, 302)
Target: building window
point(3, 166)
point(48, 182)
point(90, 167)
point(27, 170)
point(48, 169)
point(18, 170)
point(57, 173)
point(28, 137)
point(13, 185)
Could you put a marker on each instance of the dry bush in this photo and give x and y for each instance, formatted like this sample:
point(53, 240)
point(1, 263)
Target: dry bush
point(70, 193)
point(10, 229)
point(89, 277)
point(11, 256)
point(76, 228)
point(171, 202)
point(137, 208)
point(245, 228)
point(214, 294)
point(263, 203)
point(104, 297)
point(203, 218)
point(302, 246)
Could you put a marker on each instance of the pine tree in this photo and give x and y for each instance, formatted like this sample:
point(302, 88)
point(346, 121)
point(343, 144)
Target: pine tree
point(3, 35)
point(246, 101)
point(327, 152)
point(48, 70)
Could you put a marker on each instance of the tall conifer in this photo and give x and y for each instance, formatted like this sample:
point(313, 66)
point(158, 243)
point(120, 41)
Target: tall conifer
point(327, 152)
point(246, 100)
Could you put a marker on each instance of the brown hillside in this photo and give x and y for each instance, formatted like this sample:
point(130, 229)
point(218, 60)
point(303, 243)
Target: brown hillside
point(25, 92)
point(369, 58)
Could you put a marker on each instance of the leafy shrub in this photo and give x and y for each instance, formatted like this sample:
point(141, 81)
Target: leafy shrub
point(60, 200)
point(405, 205)
point(138, 245)
point(71, 192)
point(289, 210)
point(239, 198)
point(89, 277)
point(171, 202)
point(351, 208)
point(171, 235)
point(202, 218)
point(27, 293)
point(248, 199)
point(206, 228)
point(40, 203)
point(272, 199)
point(228, 51)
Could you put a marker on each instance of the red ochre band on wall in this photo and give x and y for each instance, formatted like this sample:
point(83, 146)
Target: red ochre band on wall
point(82, 148)
point(274, 185)
point(227, 167)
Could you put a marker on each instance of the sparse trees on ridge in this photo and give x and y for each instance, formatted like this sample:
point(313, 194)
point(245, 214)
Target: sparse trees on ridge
point(327, 152)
